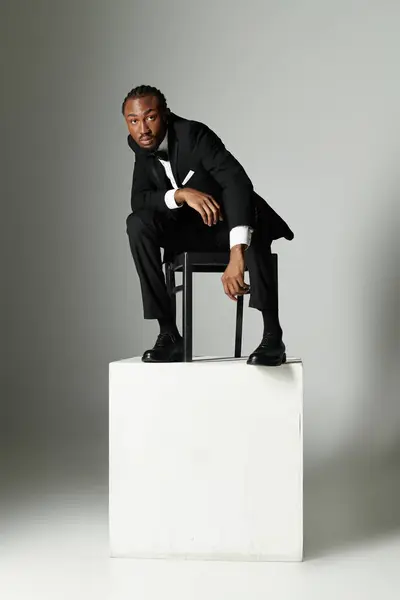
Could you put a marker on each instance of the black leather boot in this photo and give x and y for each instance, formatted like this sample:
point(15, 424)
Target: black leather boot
point(270, 353)
point(168, 348)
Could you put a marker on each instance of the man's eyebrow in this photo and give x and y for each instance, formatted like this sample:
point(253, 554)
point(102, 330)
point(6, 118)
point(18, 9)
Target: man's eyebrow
point(145, 112)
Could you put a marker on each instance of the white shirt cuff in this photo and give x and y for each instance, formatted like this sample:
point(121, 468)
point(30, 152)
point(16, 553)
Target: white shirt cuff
point(240, 235)
point(170, 199)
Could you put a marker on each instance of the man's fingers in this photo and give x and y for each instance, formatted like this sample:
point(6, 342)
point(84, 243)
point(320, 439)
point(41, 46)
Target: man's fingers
point(232, 286)
point(210, 216)
point(217, 206)
point(240, 280)
point(214, 210)
point(236, 287)
point(205, 204)
point(203, 214)
point(213, 201)
point(240, 284)
point(232, 292)
point(243, 285)
point(227, 290)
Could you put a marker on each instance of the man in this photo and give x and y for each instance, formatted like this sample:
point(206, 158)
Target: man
point(190, 193)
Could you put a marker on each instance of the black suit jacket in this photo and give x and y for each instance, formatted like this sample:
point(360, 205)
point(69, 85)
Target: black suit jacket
point(194, 147)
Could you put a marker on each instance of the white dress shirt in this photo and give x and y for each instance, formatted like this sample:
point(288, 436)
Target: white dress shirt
point(238, 235)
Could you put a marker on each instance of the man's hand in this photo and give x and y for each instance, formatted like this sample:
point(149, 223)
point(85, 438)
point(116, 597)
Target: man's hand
point(204, 204)
point(233, 277)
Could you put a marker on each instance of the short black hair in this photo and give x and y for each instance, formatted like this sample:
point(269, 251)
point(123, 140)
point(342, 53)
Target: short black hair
point(146, 90)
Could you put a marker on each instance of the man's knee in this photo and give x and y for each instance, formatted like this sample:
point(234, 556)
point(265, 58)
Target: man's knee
point(139, 222)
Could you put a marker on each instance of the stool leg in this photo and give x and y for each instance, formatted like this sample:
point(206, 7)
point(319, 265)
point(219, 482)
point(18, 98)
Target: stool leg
point(239, 327)
point(170, 281)
point(187, 309)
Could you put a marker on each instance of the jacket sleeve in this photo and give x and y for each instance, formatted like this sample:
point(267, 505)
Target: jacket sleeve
point(143, 195)
point(236, 186)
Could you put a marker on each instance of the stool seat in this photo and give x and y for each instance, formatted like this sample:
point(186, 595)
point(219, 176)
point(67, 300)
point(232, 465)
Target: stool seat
point(200, 262)
point(203, 262)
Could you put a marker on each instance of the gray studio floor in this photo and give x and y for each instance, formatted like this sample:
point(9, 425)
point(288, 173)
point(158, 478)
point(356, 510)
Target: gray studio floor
point(55, 535)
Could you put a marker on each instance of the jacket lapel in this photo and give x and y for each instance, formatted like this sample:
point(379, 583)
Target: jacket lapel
point(154, 170)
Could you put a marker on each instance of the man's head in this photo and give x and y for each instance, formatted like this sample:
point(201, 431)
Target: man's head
point(146, 114)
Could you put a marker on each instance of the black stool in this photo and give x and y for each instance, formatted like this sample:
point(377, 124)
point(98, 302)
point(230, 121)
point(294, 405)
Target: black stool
point(201, 262)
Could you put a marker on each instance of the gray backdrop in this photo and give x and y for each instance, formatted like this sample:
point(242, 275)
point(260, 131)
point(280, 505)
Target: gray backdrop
point(306, 95)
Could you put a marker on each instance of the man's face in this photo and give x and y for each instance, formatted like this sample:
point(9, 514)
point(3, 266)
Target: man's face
point(147, 124)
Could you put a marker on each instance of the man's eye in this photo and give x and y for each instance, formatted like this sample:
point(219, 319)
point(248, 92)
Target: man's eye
point(133, 121)
point(152, 117)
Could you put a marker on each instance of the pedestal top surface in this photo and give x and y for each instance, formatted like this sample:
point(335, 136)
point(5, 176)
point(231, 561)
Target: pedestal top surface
point(198, 360)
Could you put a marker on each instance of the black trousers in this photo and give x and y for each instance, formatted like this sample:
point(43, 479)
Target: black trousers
point(182, 229)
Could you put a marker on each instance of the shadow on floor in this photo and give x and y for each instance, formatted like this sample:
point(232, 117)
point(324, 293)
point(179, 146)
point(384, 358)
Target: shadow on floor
point(349, 502)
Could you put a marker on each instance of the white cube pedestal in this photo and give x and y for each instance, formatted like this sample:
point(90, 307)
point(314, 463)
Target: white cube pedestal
point(206, 460)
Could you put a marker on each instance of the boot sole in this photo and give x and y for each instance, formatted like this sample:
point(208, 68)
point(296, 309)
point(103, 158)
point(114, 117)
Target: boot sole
point(268, 362)
point(178, 358)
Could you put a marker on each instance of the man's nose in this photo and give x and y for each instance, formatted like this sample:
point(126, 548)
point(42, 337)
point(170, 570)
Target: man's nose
point(144, 128)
